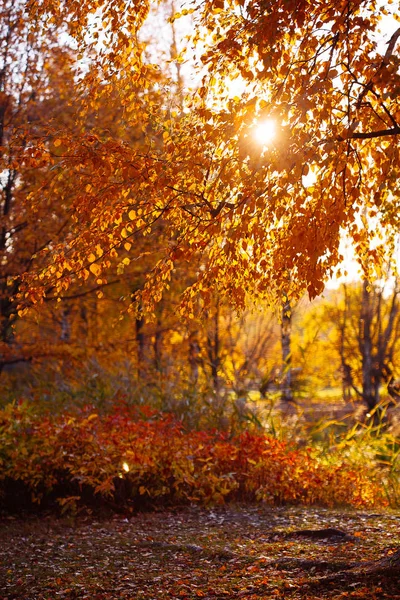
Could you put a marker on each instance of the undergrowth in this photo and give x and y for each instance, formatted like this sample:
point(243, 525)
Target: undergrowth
point(370, 445)
point(133, 458)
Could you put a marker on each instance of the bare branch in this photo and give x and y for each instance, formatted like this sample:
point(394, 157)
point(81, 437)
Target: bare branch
point(366, 135)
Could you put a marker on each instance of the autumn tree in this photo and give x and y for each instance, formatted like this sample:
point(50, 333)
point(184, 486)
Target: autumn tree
point(256, 212)
point(40, 98)
point(326, 74)
point(368, 337)
point(251, 358)
point(36, 77)
point(379, 333)
point(260, 214)
point(315, 346)
point(353, 334)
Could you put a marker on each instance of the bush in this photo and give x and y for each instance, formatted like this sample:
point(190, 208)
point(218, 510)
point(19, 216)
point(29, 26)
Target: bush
point(132, 458)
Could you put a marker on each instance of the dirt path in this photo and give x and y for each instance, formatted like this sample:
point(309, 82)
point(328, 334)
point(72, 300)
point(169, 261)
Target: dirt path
point(233, 552)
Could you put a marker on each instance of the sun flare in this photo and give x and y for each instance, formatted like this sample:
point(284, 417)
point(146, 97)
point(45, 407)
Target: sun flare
point(265, 131)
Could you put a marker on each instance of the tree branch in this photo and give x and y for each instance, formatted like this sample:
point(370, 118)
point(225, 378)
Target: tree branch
point(84, 293)
point(366, 135)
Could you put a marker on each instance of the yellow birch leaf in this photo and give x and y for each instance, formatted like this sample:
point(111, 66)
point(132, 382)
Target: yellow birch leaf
point(95, 269)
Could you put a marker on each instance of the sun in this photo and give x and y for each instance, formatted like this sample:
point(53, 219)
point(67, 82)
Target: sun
point(265, 132)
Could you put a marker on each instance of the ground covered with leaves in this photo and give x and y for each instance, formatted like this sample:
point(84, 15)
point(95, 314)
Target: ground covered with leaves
point(241, 551)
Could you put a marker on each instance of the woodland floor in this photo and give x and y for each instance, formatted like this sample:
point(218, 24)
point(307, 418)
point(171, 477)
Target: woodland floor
point(248, 552)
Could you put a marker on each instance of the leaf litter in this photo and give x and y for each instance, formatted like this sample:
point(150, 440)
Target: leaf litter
point(250, 552)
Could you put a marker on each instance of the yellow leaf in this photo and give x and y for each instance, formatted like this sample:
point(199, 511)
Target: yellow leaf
point(126, 261)
point(57, 143)
point(127, 246)
point(132, 215)
point(95, 269)
point(91, 257)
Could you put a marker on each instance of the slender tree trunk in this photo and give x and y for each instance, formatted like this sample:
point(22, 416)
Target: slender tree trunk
point(213, 349)
point(286, 332)
point(174, 55)
point(369, 390)
point(157, 346)
point(194, 352)
point(65, 324)
point(84, 325)
point(347, 379)
point(8, 311)
point(141, 348)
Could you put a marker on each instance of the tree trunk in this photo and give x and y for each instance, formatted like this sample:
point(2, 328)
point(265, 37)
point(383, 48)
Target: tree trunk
point(378, 333)
point(213, 349)
point(157, 346)
point(369, 391)
point(347, 379)
point(194, 352)
point(65, 335)
point(141, 349)
point(286, 331)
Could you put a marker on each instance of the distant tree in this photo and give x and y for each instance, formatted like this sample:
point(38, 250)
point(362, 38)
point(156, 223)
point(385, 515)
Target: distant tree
point(378, 338)
point(250, 350)
point(366, 319)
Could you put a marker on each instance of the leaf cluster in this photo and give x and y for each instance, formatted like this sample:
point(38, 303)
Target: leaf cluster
point(129, 460)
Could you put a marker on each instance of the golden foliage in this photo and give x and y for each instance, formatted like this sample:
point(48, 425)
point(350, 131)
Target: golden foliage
point(191, 181)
